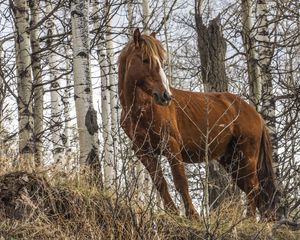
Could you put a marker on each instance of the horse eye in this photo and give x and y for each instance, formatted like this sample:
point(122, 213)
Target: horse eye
point(146, 61)
point(140, 82)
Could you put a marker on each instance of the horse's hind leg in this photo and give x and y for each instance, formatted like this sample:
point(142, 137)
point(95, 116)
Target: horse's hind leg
point(246, 176)
point(154, 168)
point(173, 153)
point(250, 185)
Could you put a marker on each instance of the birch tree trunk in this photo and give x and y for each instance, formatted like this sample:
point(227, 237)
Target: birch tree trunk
point(106, 121)
point(169, 57)
point(67, 109)
point(2, 97)
point(38, 91)
point(85, 112)
point(107, 163)
point(56, 96)
point(265, 57)
point(212, 49)
point(254, 75)
point(130, 18)
point(113, 92)
point(24, 78)
point(146, 16)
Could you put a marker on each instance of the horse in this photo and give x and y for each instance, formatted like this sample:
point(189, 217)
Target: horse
point(188, 127)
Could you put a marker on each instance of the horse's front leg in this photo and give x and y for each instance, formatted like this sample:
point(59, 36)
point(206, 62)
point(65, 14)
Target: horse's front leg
point(153, 166)
point(173, 153)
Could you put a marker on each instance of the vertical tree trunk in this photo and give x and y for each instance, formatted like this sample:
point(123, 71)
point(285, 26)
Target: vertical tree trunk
point(38, 91)
point(107, 162)
point(169, 57)
point(212, 49)
point(146, 16)
point(67, 109)
point(113, 93)
point(85, 112)
point(254, 75)
point(130, 18)
point(265, 57)
point(56, 123)
point(24, 77)
point(2, 97)
point(105, 107)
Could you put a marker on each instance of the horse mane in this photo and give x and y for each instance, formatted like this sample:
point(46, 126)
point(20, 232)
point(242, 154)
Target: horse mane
point(150, 47)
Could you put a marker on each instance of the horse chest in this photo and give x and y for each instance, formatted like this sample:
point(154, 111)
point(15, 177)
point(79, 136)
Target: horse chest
point(147, 124)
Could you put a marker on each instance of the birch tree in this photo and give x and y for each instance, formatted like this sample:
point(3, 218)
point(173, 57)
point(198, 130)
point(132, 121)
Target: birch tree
point(67, 109)
point(56, 94)
point(254, 75)
point(86, 114)
point(130, 18)
point(265, 57)
point(169, 56)
point(37, 82)
point(107, 162)
point(113, 92)
point(24, 79)
point(146, 16)
point(2, 97)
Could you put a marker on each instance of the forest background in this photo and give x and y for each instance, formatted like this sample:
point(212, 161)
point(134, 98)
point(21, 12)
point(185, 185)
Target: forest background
point(59, 109)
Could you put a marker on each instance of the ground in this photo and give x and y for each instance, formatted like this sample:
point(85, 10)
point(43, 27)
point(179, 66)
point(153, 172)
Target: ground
point(31, 207)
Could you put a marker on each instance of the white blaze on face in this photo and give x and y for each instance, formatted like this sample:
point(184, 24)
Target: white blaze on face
point(163, 77)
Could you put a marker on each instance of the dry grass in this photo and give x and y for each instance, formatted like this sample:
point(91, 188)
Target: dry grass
point(32, 208)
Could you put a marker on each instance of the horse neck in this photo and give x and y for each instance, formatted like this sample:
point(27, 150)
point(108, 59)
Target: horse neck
point(130, 96)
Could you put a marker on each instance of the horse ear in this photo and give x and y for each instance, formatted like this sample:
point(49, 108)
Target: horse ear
point(153, 34)
point(137, 37)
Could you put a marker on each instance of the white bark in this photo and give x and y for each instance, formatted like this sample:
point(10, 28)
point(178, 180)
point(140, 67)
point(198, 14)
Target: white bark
point(130, 18)
point(264, 50)
point(24, 77)
point(254, 75)
point(38, 91)
point(106, 124)
point(86, 115)
point(67, 109)
point(105, 103)
point(2, 97)
point(146, 16)
point(265, 59)
point(113, 91)
point(170, 75)
point(56, 96)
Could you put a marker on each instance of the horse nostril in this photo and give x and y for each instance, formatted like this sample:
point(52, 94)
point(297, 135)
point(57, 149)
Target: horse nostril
point(156, 95)
point(166, 96)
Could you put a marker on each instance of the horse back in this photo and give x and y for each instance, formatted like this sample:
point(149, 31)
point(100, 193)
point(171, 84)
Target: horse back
point(214, 120)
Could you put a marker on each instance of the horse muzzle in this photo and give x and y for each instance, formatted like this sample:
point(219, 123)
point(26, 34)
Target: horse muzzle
point(163, 99)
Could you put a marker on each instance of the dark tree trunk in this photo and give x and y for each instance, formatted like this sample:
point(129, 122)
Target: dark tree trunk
point(212, 49)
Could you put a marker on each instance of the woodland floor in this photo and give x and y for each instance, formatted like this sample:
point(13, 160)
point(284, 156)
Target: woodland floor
point(33, 208)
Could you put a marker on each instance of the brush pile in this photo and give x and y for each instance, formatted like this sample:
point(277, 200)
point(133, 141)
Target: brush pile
point(32, 208)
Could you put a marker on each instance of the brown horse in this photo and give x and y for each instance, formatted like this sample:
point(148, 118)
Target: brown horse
point(188, 126)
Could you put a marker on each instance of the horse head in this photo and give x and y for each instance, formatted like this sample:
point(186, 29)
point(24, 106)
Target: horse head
point(143, 59)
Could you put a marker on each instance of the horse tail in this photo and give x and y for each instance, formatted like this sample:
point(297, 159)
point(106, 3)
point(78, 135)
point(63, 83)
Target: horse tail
point(269, 196)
